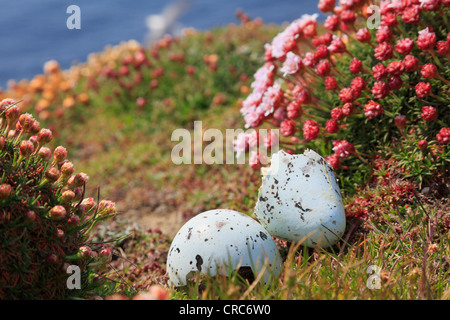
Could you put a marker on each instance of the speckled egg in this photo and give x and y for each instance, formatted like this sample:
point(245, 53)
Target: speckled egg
point(217, 241)
point(300, 199)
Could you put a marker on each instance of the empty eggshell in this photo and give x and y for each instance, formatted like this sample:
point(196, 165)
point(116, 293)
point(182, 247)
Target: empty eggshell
point(300, 197)
point(218, 241)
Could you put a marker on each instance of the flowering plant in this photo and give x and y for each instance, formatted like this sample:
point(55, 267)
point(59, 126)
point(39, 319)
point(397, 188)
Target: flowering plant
point(351, 92)
point(45, 223)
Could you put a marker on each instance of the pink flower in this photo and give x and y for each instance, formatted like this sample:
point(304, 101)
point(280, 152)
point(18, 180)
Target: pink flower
point(294, 109)
point(395, 68)
point(383, 51)
point(411, 14)
point(428, 113)
point(430, 5)
point(380, 89)
point(337, 45)
point(400, 121)
point(423, 89)
point(331, 83)
point(429, 71)
point(288, 128)
point(363, 35)
point(383, 34)
point(410, 63)
point(443, 137)
point(292, 64)
point(347, 95)
point(326, 5)
point(422, 144)
point(379, 71)
point(256, 159)
point(332, 126)
point(443, 47)
point(310, 129)
point(334, 161)
point(331, 22)
point(323, 68)
point(336, 114)
point(404, 46)
point(355, 65)
point(394, 82)
point(343, 149)
point(347, 109)
point(358, 84)
point(373, 109)
point(426, 39)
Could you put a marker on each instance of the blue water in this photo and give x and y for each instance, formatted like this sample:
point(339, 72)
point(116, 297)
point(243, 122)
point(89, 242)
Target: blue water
point(34, 31)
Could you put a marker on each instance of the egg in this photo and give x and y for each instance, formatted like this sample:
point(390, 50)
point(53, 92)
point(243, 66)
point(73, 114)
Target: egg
point(218, 241)
point(300, 200)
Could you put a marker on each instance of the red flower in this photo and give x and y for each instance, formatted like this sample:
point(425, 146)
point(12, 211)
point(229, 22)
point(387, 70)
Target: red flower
point(400, 121)
point(394, 82)
point(321, 52)
point(287, 128)
point(429, 71)
point(332, 126)
point(443, 47)
point(383, 34)
point(379, 71)
point(443, 137)
point(356, 65)
point(363, 35)
point(380, 89)
point(383, 51)
point(332, 23)
point(422, 144)
point(347, 95)
point(331, 83)
point(373, 109)
point(395, 68)
point(358, 84)
point(323, 68)
point(404, 46)
point(410, 63)
point(411, 14)
point(334, 161)
point(310, 130)
point(426, 39)
point(348, 16)
point(326, 5)
point(343, 148)
point(336, 114)
point(294, 110)
point(423, 89)
point(429, 113)
point(347, 109)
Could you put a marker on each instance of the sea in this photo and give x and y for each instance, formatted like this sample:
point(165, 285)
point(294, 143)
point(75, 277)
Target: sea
point(35, 31)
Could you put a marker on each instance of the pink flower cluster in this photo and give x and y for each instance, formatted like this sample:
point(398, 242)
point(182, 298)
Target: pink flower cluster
point(299, 60)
